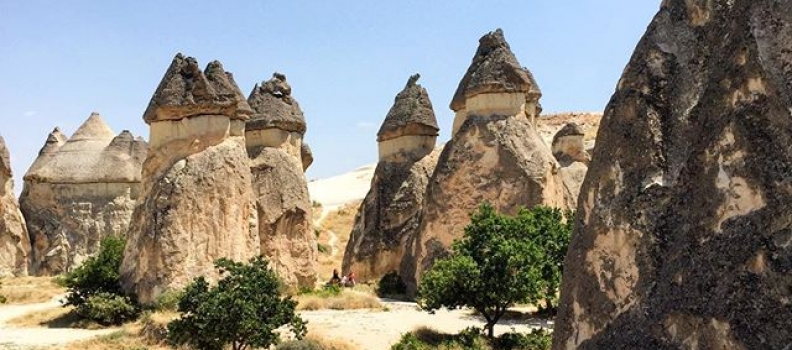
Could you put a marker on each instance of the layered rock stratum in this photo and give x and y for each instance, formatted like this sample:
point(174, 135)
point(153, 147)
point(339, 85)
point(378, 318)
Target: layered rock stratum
point(15, 251)
point(197, 198)
point(78, 191)
point(495, 155)
point(683, 234)
point(278, 158)
point(388, 218)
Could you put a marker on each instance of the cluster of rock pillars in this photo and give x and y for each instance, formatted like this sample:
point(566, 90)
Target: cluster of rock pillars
point(683, 232)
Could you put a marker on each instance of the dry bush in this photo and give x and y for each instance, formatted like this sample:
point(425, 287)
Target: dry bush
point(147, 333)
point(30, 290)
point(346, 300)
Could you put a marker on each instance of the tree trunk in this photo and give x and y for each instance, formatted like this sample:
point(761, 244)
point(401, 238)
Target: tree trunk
point(490, 327)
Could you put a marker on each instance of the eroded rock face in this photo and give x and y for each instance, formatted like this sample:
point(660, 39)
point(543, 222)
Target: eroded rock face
point(278, 160)
point(389, 216)
point(78, 191)
point(14, 241)
point(197, 199)
point(683, 237)
point(569, 149)
point(495, 155)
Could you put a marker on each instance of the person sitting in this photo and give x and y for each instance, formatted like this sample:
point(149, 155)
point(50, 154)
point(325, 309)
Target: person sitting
point(350, 279)
point(335, 280)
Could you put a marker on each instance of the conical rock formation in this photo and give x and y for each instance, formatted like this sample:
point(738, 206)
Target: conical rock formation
point(15, 251)
point(389, 216)
point(78, 191)
point(278, 156)
point(683, 237)
point(196, 202)
point(495, 155)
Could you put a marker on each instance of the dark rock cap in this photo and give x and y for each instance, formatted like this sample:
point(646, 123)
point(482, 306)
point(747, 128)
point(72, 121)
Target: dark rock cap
point(570, 129)
point(186, 92)
point(494, 69)
point(274, 107)
point(411, 114)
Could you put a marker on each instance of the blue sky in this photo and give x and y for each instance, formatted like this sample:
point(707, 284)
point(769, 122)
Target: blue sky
point(346, 61)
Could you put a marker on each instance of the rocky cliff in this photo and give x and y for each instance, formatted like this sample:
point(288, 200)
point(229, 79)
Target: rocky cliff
point(78, 191)
point(278, 158)
point(495, 155)
point(14, 241)
point(389, 216)
point(683, 235)
point(197, 199)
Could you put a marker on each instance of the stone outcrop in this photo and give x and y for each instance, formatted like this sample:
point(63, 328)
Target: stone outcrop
point(197, 199)
point(78, 191)
point(14, 241)
point(279, 157)
point(569, 149)
point(683, 234)
point(389, 216)
point(495, 155)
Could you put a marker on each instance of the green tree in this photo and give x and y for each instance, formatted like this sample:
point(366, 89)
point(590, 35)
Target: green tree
point(243, 309)
point(501, 260)
point(551, 228)
point(98, 274)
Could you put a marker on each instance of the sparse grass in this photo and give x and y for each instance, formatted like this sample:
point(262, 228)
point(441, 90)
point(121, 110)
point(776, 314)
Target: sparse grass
point(345, 300)
point(56, 317)
point(317, 341)
point(147, 333)
point(340, 222)
point(30, 290)
point(424, 338)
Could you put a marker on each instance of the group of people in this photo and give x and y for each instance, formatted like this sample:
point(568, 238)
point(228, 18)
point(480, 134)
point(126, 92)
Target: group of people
point(344, 281)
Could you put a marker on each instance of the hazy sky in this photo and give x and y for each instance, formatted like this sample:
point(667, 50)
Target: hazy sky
point(345, 61)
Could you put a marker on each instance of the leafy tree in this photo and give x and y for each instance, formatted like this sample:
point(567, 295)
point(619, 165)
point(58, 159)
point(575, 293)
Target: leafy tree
point(501, 260)
point(551, 228)
point(243, 309)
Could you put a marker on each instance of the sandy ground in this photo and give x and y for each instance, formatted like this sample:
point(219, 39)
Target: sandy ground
point(333, 192)
point(39, 337)
point(374, 330)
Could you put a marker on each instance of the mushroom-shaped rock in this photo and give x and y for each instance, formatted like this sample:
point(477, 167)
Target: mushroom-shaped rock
point(185, 92)
point(504, 85)
point(683, 233)
point(197, 199)
point(495, 156)
point(410, 129)
point(274, 106)
point(15, 249)
point(78, 191)
point(568, 145)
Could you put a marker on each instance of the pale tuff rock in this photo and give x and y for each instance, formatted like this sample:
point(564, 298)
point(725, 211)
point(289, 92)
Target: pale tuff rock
point(78, 191)
point(683, 235)
point(389, 216)
point(278, 161)
point(495, 156)
point(568, 149)
point(196, 193)
point(15, 251)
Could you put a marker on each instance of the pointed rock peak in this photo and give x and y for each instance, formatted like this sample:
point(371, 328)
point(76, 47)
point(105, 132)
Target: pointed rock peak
point(94, 128)
point(495, 69)
point(274, 106)
point(5, 160)
point(56, 137)
point(411, 114)
point(185, 91)
point(125, 136)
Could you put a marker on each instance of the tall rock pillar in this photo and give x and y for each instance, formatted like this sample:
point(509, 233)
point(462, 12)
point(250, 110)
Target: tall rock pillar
point(14, 241)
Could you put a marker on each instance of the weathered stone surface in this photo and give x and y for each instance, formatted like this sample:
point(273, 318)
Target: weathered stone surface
point(389, 217)
point(284, 215)
point(683, 237)
point(197, 199)
point(78, 191)
point(495, 155)
point(411, 114)
point(306, 155)
point(14, 241)
point(568, 148)
point(186, 92)
point(494, 69)
point(275, 107)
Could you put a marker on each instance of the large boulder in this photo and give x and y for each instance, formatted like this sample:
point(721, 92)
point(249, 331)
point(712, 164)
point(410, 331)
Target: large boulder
point(197, 200)
point(78, 191)
point(495, 156)
point(14, 241)
point(683, 234)
point(274, 137)
point(389, 216)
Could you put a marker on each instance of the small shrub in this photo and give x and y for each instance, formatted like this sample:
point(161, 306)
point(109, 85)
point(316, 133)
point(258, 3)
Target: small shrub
point(409, 341)
point(168, 301)
point(99, 273)
point(305, 344)
point(242, 310)
point(391, 284)
point(108, 309)
point(538, 339)
point(322, 248)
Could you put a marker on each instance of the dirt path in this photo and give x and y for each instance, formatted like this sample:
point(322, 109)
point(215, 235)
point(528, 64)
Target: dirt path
point(333, 241)
point(377, 330)
point(39, 337)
